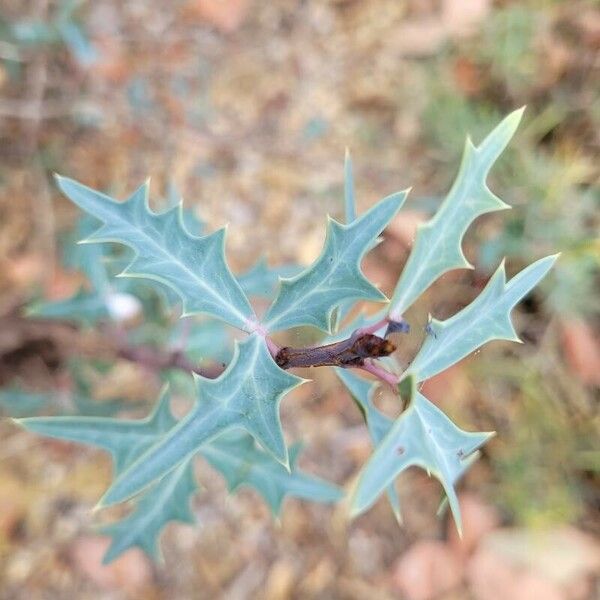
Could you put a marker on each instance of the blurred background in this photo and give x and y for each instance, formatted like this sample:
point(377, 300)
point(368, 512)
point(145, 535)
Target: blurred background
point(245, 108)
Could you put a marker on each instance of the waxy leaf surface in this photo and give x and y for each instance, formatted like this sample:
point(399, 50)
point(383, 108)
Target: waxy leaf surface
point(437, 247)
point(422, 436)
point(379, 425)
point(84, 307)
point(125, 440)
point(167, 500)
point(246, 395)
point(310, 297)
point(194, 267)
point(261, 280)
point(486, 318)
point(236, 456)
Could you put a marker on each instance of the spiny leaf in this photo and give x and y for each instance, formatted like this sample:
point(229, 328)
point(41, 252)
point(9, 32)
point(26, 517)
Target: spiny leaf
point(261, 280)
point(437, 246)
point(310, 297)
point(194, 267)
point(422, 436)
point(241, 462)
point(85, 307)
point(167, 500)
point(362, 392)
point(205, 339)
point(125, 440)
point(486, 318)
point(87, 258)
point(247, 395)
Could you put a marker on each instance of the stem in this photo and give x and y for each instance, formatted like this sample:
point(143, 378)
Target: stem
point(374, 328)
point(381, 373)
point(351, 352)
point(155, 360)
point(357, 351)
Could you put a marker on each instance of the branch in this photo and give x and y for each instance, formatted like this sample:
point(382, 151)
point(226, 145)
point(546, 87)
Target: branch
point(351, 352)
point(357, 351)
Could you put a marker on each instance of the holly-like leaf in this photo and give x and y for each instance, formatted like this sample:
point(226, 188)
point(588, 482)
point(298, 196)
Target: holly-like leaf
point(84, 307)
point(310, 297)
point(167, 500)
point(241, 462)
point(204, 339)
point(437, 247)
point(125, 440)
point(422, 436)
point(486, 318)
point(194, 267)
point(246, 395)
point(261, 280)
point(379, 425)
point(90, 259)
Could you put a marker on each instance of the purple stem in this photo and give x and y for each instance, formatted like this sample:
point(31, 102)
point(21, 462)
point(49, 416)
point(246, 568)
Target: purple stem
point(381, 373)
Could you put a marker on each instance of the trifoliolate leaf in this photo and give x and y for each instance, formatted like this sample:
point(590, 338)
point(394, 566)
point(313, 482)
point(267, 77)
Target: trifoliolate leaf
point(486, 318)
point(362, 392)
point(422, 436)
point(194, 267)
point(246, 395)
point(437, 247)
point(236, 456)
point(310, 297)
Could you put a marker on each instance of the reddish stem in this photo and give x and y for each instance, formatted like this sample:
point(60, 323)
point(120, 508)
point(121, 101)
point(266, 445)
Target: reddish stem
point(379, 372)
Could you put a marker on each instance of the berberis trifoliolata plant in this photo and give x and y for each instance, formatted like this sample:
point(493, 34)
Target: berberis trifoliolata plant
point(234, 423)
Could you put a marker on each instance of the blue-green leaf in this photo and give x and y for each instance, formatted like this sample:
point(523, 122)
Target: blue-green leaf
point(362, 392)
point(241, 462)
point(85, 307)
point(125, 440)
point(310, 297)
point(247, 395)
point(90, 259)
point(422, 436)
point(486, 318)
point(17, 403)
point(437, 246)
point(205, 339)
point(194, 267)
point(167, 500)
point(261, 280)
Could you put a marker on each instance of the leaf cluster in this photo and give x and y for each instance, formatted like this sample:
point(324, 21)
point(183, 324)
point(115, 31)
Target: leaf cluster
point(234, 423)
